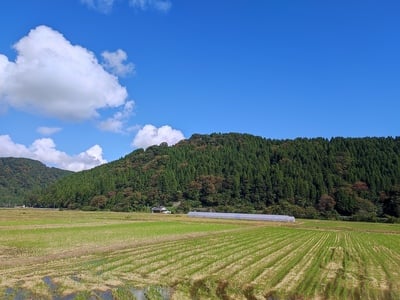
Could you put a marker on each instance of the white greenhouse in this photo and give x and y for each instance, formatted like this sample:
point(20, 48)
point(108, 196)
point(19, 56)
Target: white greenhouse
point(238, 216)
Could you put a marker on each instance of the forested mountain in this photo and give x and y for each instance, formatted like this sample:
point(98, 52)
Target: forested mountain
point(357, 177)
point(19, 177)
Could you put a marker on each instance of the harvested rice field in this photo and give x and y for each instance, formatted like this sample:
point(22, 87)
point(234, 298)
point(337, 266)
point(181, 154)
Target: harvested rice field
point(50, 254)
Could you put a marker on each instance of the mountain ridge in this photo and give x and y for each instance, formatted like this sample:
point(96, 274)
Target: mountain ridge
point(305, 177)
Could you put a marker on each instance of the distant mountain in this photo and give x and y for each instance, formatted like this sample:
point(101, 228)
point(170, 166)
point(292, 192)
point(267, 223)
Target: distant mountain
point(19, 177)
point(354, 177)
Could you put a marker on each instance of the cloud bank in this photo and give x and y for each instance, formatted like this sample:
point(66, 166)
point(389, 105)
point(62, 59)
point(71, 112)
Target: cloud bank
point(50, 76)
point(150, 135)
point(45, 151)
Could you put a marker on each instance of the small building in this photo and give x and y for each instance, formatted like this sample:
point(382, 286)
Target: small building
point(160, 210)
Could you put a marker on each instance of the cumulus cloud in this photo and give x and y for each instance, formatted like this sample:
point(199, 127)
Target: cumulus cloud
point(114, 62)
point(43, 130)
point(45, 151)
point(51, 76)
point(160, 5)
point(117, 122)
point(150, 135)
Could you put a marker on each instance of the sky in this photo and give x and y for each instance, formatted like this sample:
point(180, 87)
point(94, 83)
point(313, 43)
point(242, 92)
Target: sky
point(85, 82)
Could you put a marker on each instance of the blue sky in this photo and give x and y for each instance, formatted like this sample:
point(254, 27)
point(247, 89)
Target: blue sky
point(83, 82)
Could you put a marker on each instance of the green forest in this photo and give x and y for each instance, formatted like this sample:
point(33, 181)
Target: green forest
point(348, 178)
point(19, 177)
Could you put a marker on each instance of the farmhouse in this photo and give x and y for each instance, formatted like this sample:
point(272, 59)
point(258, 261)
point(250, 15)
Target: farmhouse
point(236, 216)
point(160, 210)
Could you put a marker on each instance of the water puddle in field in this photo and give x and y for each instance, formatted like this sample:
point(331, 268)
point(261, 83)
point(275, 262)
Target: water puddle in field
point(22, 294)
point(50, 284)
point(158, 292)
point(104, 295)
point(151, 292)
point(15, 295)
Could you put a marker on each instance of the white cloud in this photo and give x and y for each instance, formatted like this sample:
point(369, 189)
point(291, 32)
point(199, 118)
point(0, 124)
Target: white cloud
point(150, 135)
point(112, 125)
point(104, 6)
point(43, 130)
point(3, 67)
point(51, 76)
point(161, 5)
point(114, 62)
point(10, 149)
point(117, 122)
point(45, 151)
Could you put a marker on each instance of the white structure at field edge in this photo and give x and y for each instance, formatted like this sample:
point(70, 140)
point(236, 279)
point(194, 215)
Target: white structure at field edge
point(237, 216)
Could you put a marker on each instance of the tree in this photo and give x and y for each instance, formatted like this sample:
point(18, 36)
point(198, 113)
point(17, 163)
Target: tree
point(391, 204)
point(345, 201)
point(99, 201)
point(326, 205)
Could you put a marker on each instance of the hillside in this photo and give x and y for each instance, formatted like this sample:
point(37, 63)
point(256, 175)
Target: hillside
point(354, 177)
point(19, 177)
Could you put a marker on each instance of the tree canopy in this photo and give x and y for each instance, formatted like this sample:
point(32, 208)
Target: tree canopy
point(19, 177)
point(353, 177)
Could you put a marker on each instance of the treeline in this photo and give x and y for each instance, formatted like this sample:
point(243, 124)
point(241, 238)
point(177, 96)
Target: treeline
point(19, 177)
point(358, 178)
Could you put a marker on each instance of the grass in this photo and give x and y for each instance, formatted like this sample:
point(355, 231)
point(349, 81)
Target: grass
point(82, 253)
point(51, 233)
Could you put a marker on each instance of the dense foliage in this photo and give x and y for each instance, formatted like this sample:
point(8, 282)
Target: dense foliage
point(353, 177)
point(21, 176)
